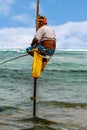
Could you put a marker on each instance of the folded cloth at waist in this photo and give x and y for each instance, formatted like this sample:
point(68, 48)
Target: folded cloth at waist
point(41, 50)
point(51, 44)
point(45, 51)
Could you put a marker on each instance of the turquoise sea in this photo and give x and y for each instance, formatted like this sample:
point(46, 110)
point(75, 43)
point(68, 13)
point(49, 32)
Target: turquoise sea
point(61, 92)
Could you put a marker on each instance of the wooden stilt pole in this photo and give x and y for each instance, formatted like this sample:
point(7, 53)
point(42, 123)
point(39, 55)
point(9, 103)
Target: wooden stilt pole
point(35, 79)
point(34, 103)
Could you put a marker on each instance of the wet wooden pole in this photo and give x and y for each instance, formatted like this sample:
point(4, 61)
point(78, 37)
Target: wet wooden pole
point(34, 103)
point(35, 79)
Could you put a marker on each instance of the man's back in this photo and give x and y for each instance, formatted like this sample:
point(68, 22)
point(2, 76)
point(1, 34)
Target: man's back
point(45, 33)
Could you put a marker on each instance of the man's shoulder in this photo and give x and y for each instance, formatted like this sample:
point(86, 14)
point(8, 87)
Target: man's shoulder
point(44, 26)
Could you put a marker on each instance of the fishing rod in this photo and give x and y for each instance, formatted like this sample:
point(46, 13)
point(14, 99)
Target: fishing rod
point(13, 59)
point(37, 13)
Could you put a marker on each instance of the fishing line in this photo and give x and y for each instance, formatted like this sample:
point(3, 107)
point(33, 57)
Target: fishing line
point(13, 59)
point(23, 44)
point(4, 56)
point(7, 55)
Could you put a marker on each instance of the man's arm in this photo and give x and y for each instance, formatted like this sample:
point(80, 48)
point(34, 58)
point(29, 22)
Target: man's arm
point(34, 42)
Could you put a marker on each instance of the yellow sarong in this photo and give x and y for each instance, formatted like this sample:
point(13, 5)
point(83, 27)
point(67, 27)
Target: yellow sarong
point(37, 65)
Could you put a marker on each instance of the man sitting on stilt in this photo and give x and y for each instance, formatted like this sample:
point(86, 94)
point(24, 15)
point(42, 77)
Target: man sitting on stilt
point(44, 40)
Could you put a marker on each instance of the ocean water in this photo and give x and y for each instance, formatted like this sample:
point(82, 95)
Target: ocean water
point(61, 92)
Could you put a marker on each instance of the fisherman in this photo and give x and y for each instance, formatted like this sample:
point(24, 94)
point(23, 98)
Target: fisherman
point(44, 39)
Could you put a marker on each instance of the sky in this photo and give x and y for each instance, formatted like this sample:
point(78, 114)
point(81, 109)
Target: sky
point(67, 17)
